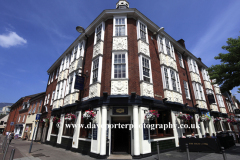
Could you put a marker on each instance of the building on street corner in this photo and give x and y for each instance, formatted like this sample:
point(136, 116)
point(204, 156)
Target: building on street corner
point(134, 74)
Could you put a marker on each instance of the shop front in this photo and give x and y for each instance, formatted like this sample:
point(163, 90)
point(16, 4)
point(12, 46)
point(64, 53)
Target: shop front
point(18, 131)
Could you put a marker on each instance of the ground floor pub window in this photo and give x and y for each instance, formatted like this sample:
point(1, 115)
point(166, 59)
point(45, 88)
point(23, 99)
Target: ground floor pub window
point(86, 130)
point(68, 131)
point(225, 126)
point(190, 125)
point(164, 118)
point(217, 126)
point(54, 125)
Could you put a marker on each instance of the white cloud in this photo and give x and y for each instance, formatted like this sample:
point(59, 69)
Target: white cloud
point(11, 39)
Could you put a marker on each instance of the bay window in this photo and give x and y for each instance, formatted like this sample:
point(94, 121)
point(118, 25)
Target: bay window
point(205, 75)
point(53, 94)
point(170, 79)
point(192, 65)
point(198, 91)
point(220, 101)
point(98, 32)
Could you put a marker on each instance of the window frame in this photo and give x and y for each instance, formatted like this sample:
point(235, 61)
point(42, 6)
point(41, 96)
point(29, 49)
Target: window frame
point(102, 31)
point(126, 64)
point(141, 70)
point(180, 58)
point(139, 37)
point(168, 70)
point(185, 83)
point(114, 25)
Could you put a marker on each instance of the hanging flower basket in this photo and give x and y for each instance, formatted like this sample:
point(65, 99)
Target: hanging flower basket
point(233, 121)
point(56, 119)
point(89, 115)
point(185, 117)
point(70, 117)
point(217, 119)
point(46, 120)
point(225, 119)
point(152, 114)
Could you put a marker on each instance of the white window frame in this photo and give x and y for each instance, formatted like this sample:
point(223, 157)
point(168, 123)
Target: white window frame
point(99, 69)
point(39, 106)
point(45, 101)
point(185, 84)
point(34, 110)
point(160, 44)
point(30, 111)
point(70, 83)
point(23, 118)
point(48, 97)
point(176, 76)
point(52, 77)
point(114, 25)
point(53, 94)
point(126, 62)
point(57, 92)
point(139, 31)
point(229, 106)
point(180, 60)
point(57, 73)
point(220, 101)
point(198, 91)
point(102, 33)
point(140, 57)
point(205, 75)
point(19, 118)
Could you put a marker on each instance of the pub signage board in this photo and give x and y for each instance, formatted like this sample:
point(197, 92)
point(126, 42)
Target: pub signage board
point(79, 82)
point(120, 111)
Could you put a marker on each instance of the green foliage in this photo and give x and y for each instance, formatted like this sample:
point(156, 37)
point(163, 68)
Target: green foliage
point(227, 74)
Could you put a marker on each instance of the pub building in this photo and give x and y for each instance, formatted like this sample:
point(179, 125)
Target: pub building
point(132, 72)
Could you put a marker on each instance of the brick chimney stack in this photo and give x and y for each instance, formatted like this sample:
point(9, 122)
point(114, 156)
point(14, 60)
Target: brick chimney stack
point(182, 42)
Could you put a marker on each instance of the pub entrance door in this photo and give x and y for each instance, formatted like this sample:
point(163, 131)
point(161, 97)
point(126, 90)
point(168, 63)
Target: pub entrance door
point(121, 136)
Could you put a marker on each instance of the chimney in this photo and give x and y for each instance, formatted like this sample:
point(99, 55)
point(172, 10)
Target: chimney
point(200, 59)
point(182, 42)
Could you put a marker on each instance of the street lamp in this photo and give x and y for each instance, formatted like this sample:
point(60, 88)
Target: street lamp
point(80, 29)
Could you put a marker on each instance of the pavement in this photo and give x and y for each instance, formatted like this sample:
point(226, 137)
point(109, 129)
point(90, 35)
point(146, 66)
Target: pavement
point(47, 152)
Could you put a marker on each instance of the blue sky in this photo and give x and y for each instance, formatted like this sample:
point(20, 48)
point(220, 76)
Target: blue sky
point(33, 34)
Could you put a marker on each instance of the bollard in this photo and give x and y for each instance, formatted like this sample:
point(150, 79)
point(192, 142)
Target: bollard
point(158, 150)
point(224, 154)
point(12, 154)
point(188, 156)
point(4, 144)
point(5, 152)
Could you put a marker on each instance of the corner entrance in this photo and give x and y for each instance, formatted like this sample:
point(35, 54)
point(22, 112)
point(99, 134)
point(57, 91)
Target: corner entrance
point(121, 136)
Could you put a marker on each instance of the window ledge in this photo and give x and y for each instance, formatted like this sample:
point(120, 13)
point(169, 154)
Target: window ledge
point(139, 39)
point(98, 42)
point(84, 139)
point(67, 137)
point(146, 82)
point(119, 79)
point(119, 36)
point(172, 91)
point(161, 139)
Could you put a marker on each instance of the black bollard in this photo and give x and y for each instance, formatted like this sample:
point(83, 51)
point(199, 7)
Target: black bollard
point(224, 154)
point(5, 153)
point(12, 154)
point(188, 156)
point(158, 150)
